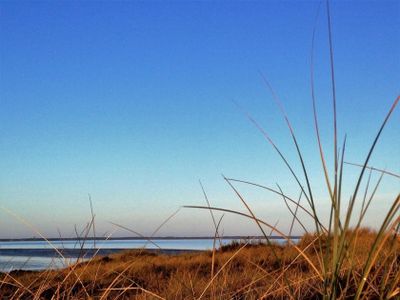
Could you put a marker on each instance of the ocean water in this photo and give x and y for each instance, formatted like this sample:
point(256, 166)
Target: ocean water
point(40, 255)
point(35, 263)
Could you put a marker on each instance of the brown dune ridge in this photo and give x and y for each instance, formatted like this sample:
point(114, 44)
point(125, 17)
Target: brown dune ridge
point(236, 271)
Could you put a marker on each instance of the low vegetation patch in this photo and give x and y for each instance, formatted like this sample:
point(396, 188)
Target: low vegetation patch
point(238, 271)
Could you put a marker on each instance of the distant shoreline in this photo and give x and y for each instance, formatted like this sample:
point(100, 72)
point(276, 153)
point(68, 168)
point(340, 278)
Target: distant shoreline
point(86, 253)
point(34, 239)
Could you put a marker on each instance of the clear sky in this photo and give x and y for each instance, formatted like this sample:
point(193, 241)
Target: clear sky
point(132, 103)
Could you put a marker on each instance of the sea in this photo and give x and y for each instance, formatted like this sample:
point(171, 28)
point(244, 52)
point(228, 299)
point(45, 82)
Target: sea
point(37, 255)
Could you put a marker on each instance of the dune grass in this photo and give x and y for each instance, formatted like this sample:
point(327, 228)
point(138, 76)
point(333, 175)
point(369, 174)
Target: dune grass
point(243, 271)
point(336, 259)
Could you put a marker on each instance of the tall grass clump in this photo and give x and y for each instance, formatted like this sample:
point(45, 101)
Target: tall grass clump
point(350, 261)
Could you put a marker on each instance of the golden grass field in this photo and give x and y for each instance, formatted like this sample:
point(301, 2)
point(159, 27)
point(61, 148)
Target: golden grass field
point(236, 271)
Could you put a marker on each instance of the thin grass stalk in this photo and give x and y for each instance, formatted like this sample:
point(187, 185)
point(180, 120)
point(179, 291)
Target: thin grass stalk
point(272, 231)
point(288, 266)
point(43, 237)
point(295, 213)
point(267, 137)
point(335, 189)
point(369, 200)
point(211, 213)
point(393, 265)
point(332, 69)
point(353, 198)
point(213, 252)
point(378, 243)
point(339, 195)
point(214, 247)
point(353, 238)
point(87, 264)
point(221, 269)
point(350, 209)
point(259, 225)
point(394, 288)
point(365, 192)
point(93, 223)
point(131, 264)
point(374, 169)
point(290, 242)
point(291, 212)
point(394, 248)
point(294, 139)
point(138, 287)
point(248, 209)
point(18, 284)
point(384, 270)
point(22, 220)
point(278, 193)
point(254, 281)
point(256, 220)
point(337, 230)
point(149, 239)
point(313, 97)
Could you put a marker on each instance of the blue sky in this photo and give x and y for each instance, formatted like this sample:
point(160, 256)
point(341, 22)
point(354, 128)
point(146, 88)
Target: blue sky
point(132, 102)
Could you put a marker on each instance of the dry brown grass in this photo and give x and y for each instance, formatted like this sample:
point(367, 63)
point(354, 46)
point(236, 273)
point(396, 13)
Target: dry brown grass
point(241, 272)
